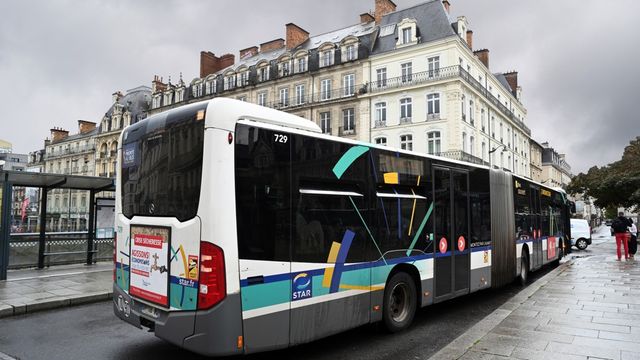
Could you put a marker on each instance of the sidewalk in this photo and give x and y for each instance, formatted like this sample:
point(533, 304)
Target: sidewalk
point(27, 291)
point(588, 307)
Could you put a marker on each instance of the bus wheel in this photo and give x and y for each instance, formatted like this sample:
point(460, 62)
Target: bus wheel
point(524, 269)
point(399, 302)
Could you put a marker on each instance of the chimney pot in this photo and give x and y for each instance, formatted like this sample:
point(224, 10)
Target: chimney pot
point(248, 52)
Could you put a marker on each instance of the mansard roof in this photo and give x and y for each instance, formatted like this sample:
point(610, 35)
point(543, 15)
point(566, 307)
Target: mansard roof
point(432, 22)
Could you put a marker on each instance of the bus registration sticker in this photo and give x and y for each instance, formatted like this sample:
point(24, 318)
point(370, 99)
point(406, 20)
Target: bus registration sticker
point(193, 267)
point(149, 264)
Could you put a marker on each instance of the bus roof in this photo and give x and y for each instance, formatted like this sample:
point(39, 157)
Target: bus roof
point(223, 113)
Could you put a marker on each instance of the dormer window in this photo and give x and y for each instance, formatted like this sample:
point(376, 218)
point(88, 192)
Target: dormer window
point(210, 86)
point(156, 101)
point(229, 81)
point(196, 89)
point(406, 35)
point(263, 72)
point(301, 64)
point(167, 98)
point(349, 48)
point(180, 95)
point(326, 58)
point(351, 52)
point(407, 31)
point(284, 68)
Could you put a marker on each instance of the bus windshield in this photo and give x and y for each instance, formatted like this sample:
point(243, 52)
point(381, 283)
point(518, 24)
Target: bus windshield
point(161, 164)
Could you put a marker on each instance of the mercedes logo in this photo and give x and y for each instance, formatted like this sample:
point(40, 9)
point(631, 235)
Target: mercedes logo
point(152, 208)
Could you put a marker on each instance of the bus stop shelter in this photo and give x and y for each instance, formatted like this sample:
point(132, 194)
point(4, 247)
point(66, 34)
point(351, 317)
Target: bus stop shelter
point(46, 182)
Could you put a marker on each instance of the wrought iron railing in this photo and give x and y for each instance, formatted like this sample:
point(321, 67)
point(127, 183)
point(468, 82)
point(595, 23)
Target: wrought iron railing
point(462, 156)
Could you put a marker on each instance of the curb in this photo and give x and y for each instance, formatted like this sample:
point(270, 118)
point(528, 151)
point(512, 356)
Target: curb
point(7, 310)
point(463, 343)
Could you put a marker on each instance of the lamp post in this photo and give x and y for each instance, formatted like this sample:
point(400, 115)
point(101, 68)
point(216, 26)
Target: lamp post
point(492, 151)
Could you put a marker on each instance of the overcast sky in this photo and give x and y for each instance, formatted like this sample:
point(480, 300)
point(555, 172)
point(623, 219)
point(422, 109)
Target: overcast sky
point(60, 61)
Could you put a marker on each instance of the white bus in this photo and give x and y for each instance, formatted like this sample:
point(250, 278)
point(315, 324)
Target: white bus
point(243, 229)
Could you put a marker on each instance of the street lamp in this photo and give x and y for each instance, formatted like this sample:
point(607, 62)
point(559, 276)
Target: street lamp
point(494, 150)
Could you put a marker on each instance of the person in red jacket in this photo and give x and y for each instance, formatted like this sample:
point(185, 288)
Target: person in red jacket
point(620, 228)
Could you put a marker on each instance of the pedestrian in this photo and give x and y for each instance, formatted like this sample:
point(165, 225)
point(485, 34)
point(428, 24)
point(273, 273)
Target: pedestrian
point(633, 240)
point(620, 227)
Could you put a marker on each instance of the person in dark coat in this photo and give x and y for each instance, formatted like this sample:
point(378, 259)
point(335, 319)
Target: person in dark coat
point(620, 228)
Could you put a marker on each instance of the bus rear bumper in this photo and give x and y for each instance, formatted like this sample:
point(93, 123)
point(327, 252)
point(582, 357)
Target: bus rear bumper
point(213, 332)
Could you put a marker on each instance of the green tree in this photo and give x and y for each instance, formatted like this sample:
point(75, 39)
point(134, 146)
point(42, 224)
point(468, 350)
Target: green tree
point(617, 184)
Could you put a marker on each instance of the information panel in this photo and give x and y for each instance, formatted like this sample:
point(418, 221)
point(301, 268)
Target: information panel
point(150, 263)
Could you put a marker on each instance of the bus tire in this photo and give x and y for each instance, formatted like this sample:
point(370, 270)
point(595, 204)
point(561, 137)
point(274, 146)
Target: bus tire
point(400, 302)
point(524, 269)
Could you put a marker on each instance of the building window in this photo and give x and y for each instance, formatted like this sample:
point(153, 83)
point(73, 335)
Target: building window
point(433, 142)
point(349, 84)
point(349, 120)
point(380, 114)
point(211, 86)
point(325, 89)
point(229, 82)
point(262, 98)
point(406, 142)
point(406, 35)
point(302, 64)
point(242, 98)
point(501, 134)
point(263, 73)
point(284, 97)
point(484, 150)
point(471, 112)
point(493, 127)
point(483, 120)
point(509, 138)
point(433, 65)
point(464, 142)
point(284, 68)
point(244, 78)
point(325, 122)
point(381, 141)
point(381, 77)
point(464, 108)
point(472, 145)
point(406, 72)
point(326, 58)
point(300, 94)
point(433, 106)
point(405, 110)
point(351, 53)
point(197, 90)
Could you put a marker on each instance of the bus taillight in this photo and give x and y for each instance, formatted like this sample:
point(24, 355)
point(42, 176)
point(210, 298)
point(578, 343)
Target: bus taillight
point(212, 276)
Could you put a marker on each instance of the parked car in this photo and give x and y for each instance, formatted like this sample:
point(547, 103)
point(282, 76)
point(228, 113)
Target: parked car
point(580, 233)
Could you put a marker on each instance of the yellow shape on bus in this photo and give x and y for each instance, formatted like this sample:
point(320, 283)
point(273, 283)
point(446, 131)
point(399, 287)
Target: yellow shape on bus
point(391, 178)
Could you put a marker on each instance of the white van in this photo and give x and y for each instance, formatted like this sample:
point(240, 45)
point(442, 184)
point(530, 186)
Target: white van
point(580, 233)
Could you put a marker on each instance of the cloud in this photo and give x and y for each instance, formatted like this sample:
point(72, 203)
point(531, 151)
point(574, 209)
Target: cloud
point(60, 61)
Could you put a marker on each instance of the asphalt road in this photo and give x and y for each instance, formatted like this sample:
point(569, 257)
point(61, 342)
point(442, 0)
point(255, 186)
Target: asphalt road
point(93, 332)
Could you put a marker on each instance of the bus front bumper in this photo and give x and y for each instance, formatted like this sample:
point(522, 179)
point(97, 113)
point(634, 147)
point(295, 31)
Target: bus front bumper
point(212, 332)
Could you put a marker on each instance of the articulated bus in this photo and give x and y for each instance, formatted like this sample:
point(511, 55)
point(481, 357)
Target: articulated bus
point(243, 229)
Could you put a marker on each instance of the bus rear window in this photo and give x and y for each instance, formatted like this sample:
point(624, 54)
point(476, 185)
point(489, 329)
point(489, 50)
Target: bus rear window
point(161, 164)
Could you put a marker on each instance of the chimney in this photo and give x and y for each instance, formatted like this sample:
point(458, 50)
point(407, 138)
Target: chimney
point(470, 39)
point(272, 45)
point(209, 63)
point(85, 126)
point(295, 35)
point(446, 5)
point(512, 79)
point(383, 7)
point(248, 52)
point(58, 134)
point(366, 18)
point(483, 56)
point(157, 85)
point(116, 96)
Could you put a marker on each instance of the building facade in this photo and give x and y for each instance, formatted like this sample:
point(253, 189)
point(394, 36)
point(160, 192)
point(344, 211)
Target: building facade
point(126, 109)
point(405, 78)
point(536, 161)
point(556, 171)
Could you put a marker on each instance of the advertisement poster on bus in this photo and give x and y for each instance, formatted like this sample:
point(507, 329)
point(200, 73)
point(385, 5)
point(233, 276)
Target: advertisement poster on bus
point(150, 263)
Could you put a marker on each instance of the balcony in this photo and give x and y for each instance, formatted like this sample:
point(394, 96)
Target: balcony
point(405, 120)
point(348, 132)
point(69, 151)
point(450, 72)
point(380, 123)
point(332, 95)
point(462, 156)
point(433, 117)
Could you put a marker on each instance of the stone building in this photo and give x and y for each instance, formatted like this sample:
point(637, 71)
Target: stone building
point(556, 171)
point(407, 78)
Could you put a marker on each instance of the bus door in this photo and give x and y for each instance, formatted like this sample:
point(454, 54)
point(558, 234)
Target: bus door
point(452, 233)
point(536, 256)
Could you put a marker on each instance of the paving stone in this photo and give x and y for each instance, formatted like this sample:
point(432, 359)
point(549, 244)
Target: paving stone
point(475, 355)
point(529, 354)
point(581, 350)
point(605, 344)
point(591, 325)
point(567, 330)
point(629, 355)
point(537, 335)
